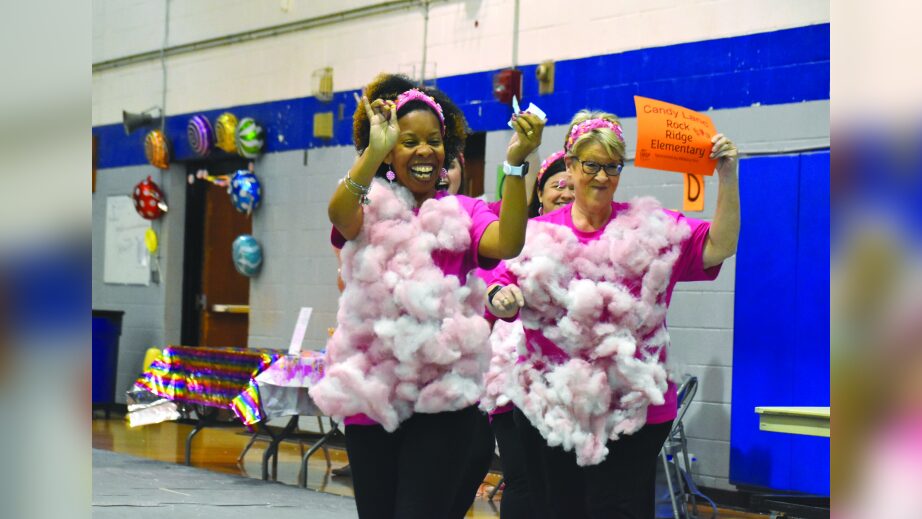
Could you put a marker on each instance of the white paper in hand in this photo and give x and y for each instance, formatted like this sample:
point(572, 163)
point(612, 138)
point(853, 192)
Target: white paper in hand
point(532, 109)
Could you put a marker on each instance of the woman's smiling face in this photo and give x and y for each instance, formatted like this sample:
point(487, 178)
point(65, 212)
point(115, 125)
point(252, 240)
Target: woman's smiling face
point(419, 154)
point(558, 191)
point(593, 192)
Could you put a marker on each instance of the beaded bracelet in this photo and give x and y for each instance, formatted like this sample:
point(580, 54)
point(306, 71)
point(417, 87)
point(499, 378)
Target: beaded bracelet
point(358, 190)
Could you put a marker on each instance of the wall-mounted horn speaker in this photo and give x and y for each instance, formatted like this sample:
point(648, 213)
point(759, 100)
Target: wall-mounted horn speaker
point(133, 121)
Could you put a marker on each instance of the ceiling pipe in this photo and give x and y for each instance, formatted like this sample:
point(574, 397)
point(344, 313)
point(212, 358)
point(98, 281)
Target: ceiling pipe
point(265, 32)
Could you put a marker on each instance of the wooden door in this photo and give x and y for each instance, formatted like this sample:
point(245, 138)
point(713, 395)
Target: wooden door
point(225, 293)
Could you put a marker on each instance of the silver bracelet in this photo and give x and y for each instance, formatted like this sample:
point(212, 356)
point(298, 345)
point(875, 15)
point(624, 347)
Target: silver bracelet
point(357, 189)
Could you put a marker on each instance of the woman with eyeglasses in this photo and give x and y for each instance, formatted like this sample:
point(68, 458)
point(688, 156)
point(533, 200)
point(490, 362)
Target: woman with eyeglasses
point(594, 399)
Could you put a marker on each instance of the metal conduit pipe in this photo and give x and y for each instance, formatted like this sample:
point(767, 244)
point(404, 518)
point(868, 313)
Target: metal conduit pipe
point(515, 36)
point(265, 32)
point(422, 75)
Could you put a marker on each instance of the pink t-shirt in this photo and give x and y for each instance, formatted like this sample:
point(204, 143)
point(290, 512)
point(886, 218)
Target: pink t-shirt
point(688, 267)
point(457, 264)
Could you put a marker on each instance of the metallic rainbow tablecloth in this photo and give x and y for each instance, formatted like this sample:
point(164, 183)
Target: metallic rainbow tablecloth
point(204, 375)
point(281, 389)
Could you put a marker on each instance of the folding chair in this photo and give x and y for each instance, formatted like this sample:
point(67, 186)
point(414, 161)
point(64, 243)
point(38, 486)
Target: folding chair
point(682, 488)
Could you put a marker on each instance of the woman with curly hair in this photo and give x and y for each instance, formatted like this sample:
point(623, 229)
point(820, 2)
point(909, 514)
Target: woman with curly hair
point(405, 365)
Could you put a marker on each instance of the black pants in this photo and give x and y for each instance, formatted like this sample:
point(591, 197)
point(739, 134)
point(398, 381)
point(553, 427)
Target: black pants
point(621, 487)
point(516, 502)
point(478, 464)
point(413, 472)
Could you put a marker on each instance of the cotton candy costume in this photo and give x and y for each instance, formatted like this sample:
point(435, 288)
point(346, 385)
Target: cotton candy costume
point(595, 321)
point(411, 337)
point(507, 342)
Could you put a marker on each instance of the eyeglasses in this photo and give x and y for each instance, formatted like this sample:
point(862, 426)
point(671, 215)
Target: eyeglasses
point(592, 168)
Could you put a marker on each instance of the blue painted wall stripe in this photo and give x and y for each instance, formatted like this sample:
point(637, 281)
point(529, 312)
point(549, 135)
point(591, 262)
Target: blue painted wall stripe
point(777, 67)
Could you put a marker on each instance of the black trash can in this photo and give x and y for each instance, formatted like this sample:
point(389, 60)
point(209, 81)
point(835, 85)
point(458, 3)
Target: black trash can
point(107, 328)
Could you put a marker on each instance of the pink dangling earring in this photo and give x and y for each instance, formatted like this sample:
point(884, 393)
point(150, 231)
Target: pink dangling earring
point(443, 175)
point(541, 209)
point(390, 176)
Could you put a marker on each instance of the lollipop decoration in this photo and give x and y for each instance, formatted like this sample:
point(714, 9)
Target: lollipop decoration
point(247, 254)
point(202, 174)
point(245, 191)
point(249, 138)
point(201, 135)
point(225, 128)
point(148, 199)
point(243, 187)
point(156, 149)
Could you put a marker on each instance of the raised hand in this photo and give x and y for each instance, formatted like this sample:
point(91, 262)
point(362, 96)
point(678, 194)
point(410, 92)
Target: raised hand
point(382, 118)
point(528, 129)
point(728, 156)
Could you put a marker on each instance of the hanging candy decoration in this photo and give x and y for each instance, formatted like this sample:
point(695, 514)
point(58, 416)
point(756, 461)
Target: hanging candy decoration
point(148, 199)
point(150, 240)
point(249, 138)
point(225, 127)
point(247, 254)
point(201, 135)
point(157, 150)
point(245, 191)
point(203, 174)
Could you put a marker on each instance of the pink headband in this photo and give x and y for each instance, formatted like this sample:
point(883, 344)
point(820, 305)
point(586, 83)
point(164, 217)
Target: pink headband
point(591, 124)
point(415, 94)
point(548, 162)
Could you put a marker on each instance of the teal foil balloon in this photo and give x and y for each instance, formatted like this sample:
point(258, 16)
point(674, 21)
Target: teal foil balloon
point(245, 191)
point(247, 254)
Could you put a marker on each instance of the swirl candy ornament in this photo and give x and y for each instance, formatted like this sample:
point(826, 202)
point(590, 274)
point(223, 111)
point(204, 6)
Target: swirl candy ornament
point(201, 135)
point(249, 138)
point(225, 128)
point(157, 150)
point(148, 199)
point(245, 191)
point(247, 254)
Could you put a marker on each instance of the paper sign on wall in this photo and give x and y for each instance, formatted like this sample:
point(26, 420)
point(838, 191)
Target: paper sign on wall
point(126, 259)
point(673, 138)
point(694, 193)
point(297, 337)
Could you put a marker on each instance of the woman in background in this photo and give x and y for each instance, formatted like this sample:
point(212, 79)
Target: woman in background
point(553, 189)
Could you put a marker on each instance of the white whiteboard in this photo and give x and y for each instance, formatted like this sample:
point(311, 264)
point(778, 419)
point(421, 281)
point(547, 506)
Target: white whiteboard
point(127, 260)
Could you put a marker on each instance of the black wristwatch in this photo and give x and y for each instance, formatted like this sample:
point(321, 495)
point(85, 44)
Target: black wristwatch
point(493, 292)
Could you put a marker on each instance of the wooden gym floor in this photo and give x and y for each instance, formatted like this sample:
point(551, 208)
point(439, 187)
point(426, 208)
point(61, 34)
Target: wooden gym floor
point(217, 449)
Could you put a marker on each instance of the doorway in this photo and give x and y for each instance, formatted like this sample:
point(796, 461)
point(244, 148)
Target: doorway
point(474, 150)
point(215, 296)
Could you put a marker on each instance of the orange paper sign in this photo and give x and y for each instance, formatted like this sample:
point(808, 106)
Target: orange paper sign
point(673, 138)
point(694, 193)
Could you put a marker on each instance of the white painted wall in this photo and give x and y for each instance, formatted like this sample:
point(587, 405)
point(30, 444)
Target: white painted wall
point(464, 36)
